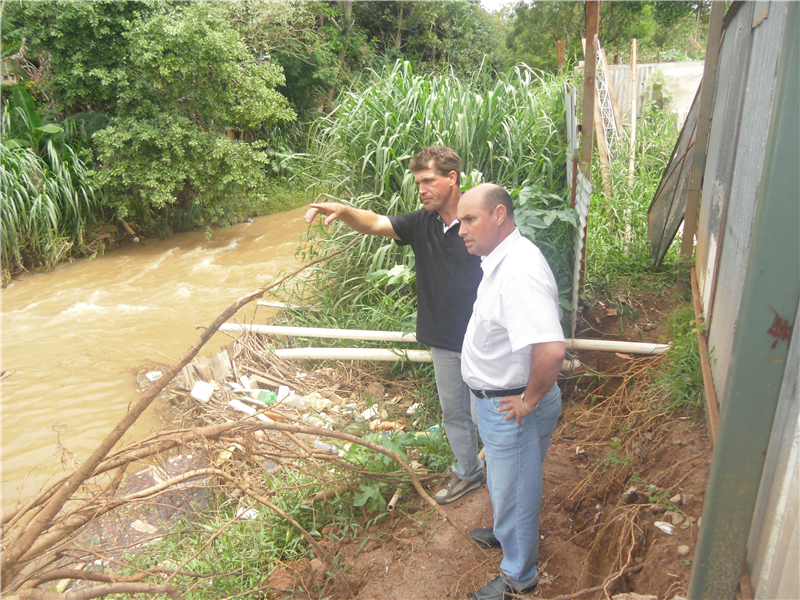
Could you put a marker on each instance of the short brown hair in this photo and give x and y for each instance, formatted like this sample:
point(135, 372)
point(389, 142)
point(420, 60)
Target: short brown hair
point(444, 161)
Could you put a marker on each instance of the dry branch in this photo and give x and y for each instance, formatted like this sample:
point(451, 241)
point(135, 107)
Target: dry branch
point(19, 541)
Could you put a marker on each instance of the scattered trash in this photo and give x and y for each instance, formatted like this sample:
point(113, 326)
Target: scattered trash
point(202, 391)
point(248, 410)
point(153, 375)
point(395, 499)
point(370, 413)
point(246, 513)
point(665, 527)
point(683, 550)
point(413, 408)
point(143, 527)
point(386, 425)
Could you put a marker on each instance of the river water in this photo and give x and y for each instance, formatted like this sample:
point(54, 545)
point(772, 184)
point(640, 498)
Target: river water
point(73, 337)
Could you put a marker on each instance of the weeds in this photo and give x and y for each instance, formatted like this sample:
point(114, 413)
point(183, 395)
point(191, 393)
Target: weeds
point(681, 378)
point(616, 259)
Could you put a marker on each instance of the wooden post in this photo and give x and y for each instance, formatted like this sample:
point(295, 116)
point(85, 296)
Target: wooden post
point(560, 55)
point(634, 97)
point(632, 151)
point(589, 94)
point(701, 140)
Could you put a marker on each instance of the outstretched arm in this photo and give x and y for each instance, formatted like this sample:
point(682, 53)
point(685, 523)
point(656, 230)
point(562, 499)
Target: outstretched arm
point(363, 221)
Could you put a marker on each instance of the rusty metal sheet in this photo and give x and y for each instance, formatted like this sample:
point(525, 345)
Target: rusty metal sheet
point(666, 211)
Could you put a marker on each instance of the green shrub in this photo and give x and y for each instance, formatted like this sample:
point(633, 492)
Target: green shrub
point(167, 156)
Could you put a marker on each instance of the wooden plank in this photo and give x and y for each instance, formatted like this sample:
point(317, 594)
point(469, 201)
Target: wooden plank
point(711, 404)
point(701, 139)
point(589, 94)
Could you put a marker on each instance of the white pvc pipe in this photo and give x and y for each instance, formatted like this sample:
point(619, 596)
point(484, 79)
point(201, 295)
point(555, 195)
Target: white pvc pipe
point(397, 336)
point(318, 332)
point(377, 354)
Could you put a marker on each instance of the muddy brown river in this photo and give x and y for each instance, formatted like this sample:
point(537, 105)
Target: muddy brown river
point(73, 337)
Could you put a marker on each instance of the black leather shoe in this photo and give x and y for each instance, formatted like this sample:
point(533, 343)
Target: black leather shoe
point(498, 589)
point(484, 537)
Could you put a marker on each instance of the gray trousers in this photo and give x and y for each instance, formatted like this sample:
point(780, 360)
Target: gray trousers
point(458, 415)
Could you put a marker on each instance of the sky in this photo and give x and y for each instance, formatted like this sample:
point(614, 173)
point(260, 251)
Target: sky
point(494, 5)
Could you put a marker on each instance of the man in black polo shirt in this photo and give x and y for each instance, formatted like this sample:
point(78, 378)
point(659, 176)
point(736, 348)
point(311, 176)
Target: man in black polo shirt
point(447, 284)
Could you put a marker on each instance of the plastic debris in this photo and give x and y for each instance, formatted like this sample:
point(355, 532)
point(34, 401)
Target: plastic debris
point(665, 527)
point(143, 527)
point(246, 513)
point(202, 391)
point(413, 408)
point(153, 375)
point(370, 413)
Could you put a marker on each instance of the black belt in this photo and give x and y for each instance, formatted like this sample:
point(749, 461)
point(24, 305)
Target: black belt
point(498, 393)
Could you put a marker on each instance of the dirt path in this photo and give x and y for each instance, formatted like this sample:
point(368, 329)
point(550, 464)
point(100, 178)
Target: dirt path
point(624, 490)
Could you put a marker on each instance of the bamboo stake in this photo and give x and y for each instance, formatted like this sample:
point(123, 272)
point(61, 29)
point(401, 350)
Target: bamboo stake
point(632, 147)
point(589, 69)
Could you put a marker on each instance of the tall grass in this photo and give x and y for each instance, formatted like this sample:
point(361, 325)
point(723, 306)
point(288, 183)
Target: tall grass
point(507, 130)
point(606, 258)
point(46, 202)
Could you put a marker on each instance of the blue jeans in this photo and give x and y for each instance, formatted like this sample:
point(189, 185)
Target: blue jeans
point(457, 414)
point(514, 457)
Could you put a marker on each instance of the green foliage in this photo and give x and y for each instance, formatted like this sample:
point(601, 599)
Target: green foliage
point(46, 203)
point(607, 259)
point(166, 157)
point(662, 28)
point(506, 131)
point(81, 45)
point(681, 379)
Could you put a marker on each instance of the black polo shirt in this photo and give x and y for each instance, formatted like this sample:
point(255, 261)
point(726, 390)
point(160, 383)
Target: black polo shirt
point(447, 277)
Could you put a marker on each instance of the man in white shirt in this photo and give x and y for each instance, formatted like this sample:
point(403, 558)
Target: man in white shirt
point(512, 354)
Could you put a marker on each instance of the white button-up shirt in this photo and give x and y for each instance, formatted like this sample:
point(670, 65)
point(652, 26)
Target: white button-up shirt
point(517, 306)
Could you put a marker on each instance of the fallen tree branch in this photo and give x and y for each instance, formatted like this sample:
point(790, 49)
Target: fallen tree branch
point(20, 542)
point(99, 591)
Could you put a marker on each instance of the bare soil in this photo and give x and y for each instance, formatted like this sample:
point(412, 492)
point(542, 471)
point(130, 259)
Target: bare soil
point(618, 468)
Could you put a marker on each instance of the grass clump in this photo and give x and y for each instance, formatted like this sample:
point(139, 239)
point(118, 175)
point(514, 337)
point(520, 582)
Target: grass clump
point(681, 378)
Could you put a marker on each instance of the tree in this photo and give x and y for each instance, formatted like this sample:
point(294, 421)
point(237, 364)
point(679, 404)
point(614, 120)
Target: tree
point(189, 80)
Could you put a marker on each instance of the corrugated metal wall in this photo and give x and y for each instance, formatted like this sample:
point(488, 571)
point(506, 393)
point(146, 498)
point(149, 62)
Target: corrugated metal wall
point(773, 546)
point(746, 75)
point(752, 62)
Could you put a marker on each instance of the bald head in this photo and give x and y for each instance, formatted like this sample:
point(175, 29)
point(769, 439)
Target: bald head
point(486, 214)
point(492, 195)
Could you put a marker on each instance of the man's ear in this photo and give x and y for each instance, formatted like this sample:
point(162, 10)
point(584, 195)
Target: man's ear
point(453, 177)
point(500, 213)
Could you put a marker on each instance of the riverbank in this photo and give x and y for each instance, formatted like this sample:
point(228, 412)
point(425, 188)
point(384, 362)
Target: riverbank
point(107, 235)
point(624, 482)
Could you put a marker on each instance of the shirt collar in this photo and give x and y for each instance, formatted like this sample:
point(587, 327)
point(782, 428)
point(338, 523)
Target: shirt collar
point(445, 226)
point(489, 263)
